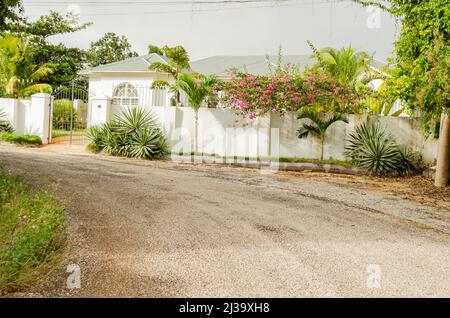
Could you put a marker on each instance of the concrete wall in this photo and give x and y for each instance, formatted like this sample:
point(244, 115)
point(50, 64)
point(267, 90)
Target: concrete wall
point(221, 132)
point(28, 116)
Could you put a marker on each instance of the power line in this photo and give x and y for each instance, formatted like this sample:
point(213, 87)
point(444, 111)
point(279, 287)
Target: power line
point(274, 3)
point(171, 2)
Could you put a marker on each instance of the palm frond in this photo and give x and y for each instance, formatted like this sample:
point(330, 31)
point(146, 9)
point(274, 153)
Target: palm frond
point(162, 68)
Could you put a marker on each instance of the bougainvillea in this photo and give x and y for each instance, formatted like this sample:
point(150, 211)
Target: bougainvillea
point(252, 96)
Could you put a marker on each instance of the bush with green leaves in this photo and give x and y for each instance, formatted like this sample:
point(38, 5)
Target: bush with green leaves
point(132, 133)
point(371, 147)
point(21, 139)
point(63, 110)
point(5, 125)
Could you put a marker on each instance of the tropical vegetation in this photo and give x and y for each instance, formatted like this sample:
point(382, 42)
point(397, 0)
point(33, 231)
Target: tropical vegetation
point(5, 125)
point(132, 133)
point(346, 66)
point(110, 48)
point(198, 89)
point(177, 63)
point(371, 147)
point(17, 68)
point(21, 139)
point(32, 233)
point(318, 125)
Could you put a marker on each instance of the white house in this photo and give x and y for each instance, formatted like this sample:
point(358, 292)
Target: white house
point(128, 82)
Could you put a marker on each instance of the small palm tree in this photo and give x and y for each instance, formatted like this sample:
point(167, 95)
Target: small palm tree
point(198, 88)
point(178, 61)
point(319, 126)
point(347, 65)
point(16, 67)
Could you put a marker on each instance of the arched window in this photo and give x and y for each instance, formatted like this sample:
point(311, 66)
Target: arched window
point(125, 95)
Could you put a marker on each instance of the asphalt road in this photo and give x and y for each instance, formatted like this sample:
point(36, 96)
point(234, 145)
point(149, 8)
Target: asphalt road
point(158, 229)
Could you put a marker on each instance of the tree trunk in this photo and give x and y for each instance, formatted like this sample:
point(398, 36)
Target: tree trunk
point(196, 132)
point(443, 159)
point(322, 139)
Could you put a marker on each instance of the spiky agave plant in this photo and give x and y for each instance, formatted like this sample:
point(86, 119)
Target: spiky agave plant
point(371, 147)
point(132, 133)
point(5, 125)
point(147, 143)
point(132, 120)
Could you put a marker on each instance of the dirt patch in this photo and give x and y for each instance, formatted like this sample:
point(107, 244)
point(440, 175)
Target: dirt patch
point(418, 189)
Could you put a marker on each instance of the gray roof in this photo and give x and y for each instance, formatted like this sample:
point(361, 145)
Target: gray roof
point(133, 64)
point(215, 65)
point(254, 64)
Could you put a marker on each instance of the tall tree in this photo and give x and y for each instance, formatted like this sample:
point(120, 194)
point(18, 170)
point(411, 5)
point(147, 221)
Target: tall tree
point(421, 53)
point(64, 61)
point(178, 61)
point(52, 24)
point(110, 48)
point(154, 49)
point(9, 13)
point(17, 68)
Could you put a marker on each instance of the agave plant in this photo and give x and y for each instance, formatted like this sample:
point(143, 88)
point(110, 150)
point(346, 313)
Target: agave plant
point(132, 133)
point(5, 125)
point(133, 119)
point(371, 147)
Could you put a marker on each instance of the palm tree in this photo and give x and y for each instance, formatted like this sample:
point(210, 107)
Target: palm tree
point(178, 61)
point(319, 125)
point(16, 69)
point(347, 65)
point(198, 88)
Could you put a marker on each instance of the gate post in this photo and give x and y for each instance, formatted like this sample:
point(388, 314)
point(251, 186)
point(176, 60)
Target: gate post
point(37, 117)
point(100, 110)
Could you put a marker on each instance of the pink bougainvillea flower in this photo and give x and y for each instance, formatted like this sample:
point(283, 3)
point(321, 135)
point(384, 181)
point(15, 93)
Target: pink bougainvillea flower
point(252, 116)
point(251, 78)
point(297, 99)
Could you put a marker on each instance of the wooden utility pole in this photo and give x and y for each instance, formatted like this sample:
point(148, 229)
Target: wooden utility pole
point(443, 159)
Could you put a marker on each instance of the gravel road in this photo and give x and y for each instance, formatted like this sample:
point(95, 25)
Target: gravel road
point(160, 229)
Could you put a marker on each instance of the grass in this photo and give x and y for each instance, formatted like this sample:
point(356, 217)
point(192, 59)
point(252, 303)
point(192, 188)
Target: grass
point(318, 161)
point(282, 159)
point(21, 139)
point(32, 232)
point(63, 132)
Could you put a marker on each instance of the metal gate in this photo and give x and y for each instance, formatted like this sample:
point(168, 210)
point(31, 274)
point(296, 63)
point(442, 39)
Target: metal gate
point(69, 114)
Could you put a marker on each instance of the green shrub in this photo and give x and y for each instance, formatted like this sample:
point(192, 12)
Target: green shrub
point(5, 125)
point(21, 139)
point(133, 133)
point(371, 147)
point(61, 114)
point(32, 228)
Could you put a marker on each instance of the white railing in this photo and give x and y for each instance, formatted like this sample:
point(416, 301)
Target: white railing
point(146, 96)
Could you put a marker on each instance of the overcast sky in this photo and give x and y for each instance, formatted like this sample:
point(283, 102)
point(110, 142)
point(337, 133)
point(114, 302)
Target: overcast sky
point(205, 29)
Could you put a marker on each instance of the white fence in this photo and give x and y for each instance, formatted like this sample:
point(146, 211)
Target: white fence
point(28, 116)
point(223, 133)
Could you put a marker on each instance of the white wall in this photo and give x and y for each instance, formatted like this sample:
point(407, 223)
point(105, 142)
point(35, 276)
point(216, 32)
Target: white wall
point(221, 132)
point(28, 116)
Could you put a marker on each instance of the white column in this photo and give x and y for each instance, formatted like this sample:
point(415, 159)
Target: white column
point(37, 116)
point(100, 110)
